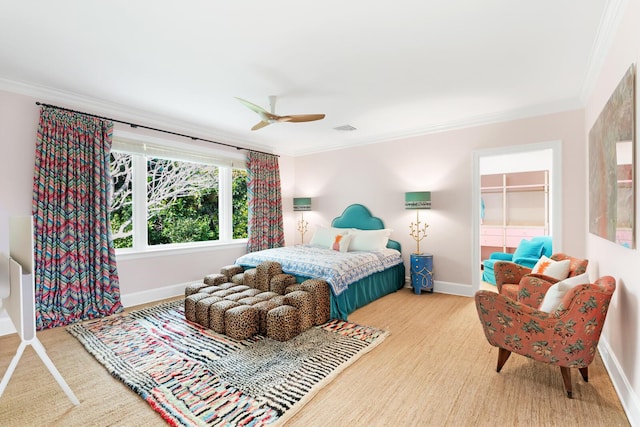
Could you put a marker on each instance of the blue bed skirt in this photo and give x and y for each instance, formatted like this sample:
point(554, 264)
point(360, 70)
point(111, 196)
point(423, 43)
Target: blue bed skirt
point(367, 290)
point(364, 291)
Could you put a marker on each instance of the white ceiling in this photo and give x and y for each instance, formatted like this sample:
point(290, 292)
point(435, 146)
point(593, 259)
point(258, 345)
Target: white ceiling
point(390, 69)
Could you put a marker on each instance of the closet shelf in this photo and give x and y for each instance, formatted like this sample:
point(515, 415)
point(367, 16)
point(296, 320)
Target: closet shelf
point(514, 188)
point(515, 206)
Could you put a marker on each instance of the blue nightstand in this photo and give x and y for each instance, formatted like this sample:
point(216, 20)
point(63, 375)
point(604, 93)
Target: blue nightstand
point(422, 272)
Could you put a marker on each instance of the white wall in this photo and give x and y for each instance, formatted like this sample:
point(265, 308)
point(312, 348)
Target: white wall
point(620, 344)
point(517, 162)
point(379, 175)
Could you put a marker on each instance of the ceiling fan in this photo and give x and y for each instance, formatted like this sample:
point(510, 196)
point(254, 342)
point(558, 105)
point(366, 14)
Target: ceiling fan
point(266, 117)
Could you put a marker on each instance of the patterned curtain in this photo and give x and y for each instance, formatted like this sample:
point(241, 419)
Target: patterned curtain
point(265, 202)
point(75, 267)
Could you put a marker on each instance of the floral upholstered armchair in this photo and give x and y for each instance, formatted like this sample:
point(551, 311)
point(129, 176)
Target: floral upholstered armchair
point(567, 336)
point(509, 276)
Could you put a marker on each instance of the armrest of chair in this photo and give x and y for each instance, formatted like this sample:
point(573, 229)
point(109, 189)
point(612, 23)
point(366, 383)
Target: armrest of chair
point(533, 287)
point(503, 256)
point(527, 262)
point(504, 320)
point(508, 273)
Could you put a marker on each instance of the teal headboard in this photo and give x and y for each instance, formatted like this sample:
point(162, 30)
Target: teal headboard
point(358, 216)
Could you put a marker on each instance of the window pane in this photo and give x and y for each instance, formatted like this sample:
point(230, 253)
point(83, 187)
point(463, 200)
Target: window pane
point(240, 208)
point(121, 200)
point(182, 202)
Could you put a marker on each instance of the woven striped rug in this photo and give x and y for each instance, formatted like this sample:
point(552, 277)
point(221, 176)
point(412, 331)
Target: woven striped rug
point(194, 377)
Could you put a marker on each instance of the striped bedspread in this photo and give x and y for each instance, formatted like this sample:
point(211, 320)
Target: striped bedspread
point(339, 269)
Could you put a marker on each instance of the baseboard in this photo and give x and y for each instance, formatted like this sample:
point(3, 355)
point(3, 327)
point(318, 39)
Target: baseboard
point(446, 287)
point(144, 297)
point(128, 300)
point(626, 394)
point(453, 288)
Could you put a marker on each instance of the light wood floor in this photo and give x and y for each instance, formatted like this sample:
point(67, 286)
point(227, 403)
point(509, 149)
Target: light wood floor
point(434, 369)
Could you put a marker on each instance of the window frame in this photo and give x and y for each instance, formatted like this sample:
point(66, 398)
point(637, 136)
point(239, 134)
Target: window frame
point(143, 147)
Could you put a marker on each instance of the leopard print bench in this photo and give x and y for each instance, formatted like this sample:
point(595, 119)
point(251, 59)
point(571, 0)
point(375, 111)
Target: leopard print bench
point(262, 300)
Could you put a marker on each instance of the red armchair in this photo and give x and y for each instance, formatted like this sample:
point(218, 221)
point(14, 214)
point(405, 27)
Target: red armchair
point(567, 337)
point(509, 276)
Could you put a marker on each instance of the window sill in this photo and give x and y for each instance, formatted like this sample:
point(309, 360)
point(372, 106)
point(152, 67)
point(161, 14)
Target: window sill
point(179, 249)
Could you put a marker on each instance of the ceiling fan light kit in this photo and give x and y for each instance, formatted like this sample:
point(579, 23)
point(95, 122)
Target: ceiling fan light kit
point(346, 128)
point(267, 118)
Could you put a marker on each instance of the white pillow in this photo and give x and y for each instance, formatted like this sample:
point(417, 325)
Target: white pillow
point(556, 269)
point(369, 240)
point(341, 242)
point(325, 236)
point(555, 293)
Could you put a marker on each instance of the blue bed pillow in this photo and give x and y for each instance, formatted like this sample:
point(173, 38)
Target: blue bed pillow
point(528, 249)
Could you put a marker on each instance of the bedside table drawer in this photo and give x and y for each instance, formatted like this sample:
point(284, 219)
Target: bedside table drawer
point(421, 272)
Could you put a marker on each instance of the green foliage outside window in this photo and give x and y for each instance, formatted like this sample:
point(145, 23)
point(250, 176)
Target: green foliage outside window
point(240, 207)
point(182, 202)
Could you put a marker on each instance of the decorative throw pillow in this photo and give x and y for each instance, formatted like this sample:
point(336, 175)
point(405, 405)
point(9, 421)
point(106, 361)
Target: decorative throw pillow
point(556, 269)
point(341, 242)
point(528, 249)
point(325, 236)
point(369, 240)
point(555, 293)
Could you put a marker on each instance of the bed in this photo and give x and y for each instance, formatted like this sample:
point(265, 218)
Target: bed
point(355, 277)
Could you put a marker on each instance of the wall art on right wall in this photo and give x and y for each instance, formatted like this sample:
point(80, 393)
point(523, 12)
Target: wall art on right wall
point(611, 166)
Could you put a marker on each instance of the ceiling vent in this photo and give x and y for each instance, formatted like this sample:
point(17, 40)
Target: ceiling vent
point(345, 128)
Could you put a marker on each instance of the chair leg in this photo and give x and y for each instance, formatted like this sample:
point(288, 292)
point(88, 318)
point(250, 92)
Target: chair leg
point(585, 373)
point(503, 355)
point(566, 378)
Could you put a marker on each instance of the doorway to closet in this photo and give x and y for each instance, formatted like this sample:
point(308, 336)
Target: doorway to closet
point(516, 194)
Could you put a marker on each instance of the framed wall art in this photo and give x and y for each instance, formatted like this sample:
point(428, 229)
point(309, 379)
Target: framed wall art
point(611, 166)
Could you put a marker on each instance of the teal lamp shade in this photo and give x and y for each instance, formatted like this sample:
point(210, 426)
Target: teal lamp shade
point(301, 204)
point(417, 200)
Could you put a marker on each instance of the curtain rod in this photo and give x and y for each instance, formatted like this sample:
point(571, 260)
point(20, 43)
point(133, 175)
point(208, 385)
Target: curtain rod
point(134, 125)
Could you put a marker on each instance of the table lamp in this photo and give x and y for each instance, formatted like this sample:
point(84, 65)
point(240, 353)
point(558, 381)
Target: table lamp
point(302, 204)
point(417, 200)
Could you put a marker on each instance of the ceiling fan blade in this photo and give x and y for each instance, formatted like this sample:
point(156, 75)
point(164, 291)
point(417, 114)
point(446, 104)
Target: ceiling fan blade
point(266, 118)
point(297, 118)
point(260, 125)
point(258, 109)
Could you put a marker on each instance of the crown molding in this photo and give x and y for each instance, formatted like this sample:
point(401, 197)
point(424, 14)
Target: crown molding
point(609, 23)
point(118, 111)
point(475, 121)
point(105, 108)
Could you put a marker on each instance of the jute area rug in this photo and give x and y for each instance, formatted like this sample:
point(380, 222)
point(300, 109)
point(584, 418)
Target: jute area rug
point(194, 377)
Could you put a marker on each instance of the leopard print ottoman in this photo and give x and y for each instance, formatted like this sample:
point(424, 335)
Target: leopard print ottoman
point(263, 308)
point(303, 301)
point(322, 298)
point(217, 314)
point(260, 300)
point(264, 272)
point(231, 270)
point(241, 322)
point(194, 288)
point(282, 323)
point(238, 278)
point(232, 292)
point(202, 309)
point(249, 278)
point(190, 305)
point(215, 279)
point(279, 282)
point(320, 291)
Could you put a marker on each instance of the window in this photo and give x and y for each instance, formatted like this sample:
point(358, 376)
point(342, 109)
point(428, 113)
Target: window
point(160, 197)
